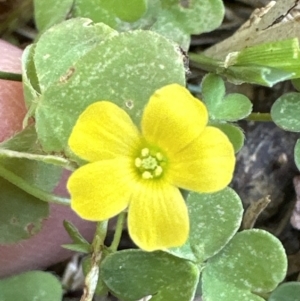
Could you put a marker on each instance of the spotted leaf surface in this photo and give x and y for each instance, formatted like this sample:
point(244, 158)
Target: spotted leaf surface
point(214, 219)
point(134, 274)
point(286, 111)
point(125, 69)
point(35, 285)
point(253, 262)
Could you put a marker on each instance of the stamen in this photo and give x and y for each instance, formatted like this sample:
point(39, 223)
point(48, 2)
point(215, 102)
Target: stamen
point(158, 171)
point(159, 156)
point(138, 162)
point(145, 152)
point(147, 175)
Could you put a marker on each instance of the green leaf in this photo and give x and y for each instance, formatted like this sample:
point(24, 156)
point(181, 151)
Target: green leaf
point(231, 107)
point(125, 69)
point(234, 107)
point(130, 11)
point(289, 291)
point(250, 72)
point(29, 78)
point(35, 285)
point(81, 248)
point(75, 234)
point(255, 74)
point(252, 263)
point(297, 154)
point(233, 132)
point(49, 13)
point(285, 112)
point(21, 214)
point(57, 50)
point(214, 219)
point(178, 20)
point(282, 55)
point(35, 173)
point(133, 274)
point(97, 10)
point(213, 90)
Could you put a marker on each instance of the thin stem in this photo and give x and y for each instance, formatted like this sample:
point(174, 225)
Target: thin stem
point(91, 279)
point(259, 117)
point(17, 77)
point(49, 159)
point(118, 233)
point(32, 190)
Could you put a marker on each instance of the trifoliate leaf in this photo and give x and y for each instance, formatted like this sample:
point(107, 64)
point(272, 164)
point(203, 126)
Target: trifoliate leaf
point(289, 291)
point(285, 112)
point(134, 274)
point(214, 219)
point(252, 263)
point(35, 285)
point(125, 69)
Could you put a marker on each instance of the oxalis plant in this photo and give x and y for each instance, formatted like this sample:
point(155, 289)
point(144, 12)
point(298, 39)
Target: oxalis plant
point(107, 97)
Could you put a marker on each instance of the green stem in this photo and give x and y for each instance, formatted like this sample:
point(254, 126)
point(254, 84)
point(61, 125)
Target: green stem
point(49, 159)
point(17, 77)
point(32, 190)
point(259, 117)
point(118, 233)
point(91, 279)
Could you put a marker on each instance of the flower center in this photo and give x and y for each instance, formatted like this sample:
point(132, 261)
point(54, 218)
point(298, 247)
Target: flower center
point(149, 164)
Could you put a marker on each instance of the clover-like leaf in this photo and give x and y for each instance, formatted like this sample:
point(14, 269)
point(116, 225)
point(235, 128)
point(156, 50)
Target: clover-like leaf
point(35, 285)
point(57, 50)
point(297, 154)
point(35, 173)
point(49, 13)
point(214, 219)
point(29, 78)
point(252, 263)
point(134, 274)
point(233, 132)
point(285, 112)
point(21, 214)
point(172, 19)
point(231, 107)
point(289, 291)
point(213, 90)
point(125, 69)
point(130, 11)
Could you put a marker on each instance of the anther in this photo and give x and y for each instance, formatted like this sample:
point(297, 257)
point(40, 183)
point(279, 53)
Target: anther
point(158, 171)
point(147, 175)
point(145, 152)
point(138, 162)
point(159, 156)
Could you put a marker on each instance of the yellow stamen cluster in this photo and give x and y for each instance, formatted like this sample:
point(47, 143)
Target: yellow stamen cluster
point(149, 164)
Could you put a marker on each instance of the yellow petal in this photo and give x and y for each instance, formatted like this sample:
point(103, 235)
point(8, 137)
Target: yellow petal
point(100, 190)
point(158, 217)
point(173, 118)
point(206, 165)
point(103, 131)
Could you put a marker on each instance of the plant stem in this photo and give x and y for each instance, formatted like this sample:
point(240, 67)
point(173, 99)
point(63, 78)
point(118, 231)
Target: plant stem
point(30, 189)
point(17, 77)
point(259, 117)
point(49, 159)
point(91, 278)
point(118, 233)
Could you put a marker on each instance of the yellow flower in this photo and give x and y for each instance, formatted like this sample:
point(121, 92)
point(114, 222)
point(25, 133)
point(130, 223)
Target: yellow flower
point(142, 170)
